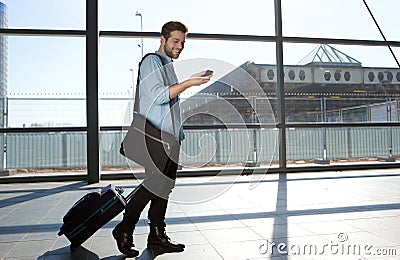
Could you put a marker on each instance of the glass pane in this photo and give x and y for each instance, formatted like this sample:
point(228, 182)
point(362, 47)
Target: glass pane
point(46, 14)
point(203, 17)
point(41, 110)
point(115, 109)
point(203, 148)
point(111, 159)
point(45, 152)
point(118, 59)
point(46, 82)
point(332, 84)
point(235, 74)
point(340, 146)
point(340, 19)
point(234, 95)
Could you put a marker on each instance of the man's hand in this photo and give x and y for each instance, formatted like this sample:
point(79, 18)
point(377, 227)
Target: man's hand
point(195, 80)
point(198, 79)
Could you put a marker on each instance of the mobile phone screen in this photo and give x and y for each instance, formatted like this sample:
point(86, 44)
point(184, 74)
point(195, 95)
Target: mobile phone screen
point(207, 73)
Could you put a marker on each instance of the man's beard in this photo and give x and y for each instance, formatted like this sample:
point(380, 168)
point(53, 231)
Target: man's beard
point(170, 53)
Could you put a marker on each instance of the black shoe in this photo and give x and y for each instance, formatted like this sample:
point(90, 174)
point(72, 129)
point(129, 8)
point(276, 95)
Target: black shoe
point(159, 242)
point(124, 240)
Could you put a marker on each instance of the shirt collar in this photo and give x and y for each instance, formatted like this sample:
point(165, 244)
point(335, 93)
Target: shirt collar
point(165, 57)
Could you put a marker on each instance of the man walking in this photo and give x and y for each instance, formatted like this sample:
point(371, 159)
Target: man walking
point(158, 88)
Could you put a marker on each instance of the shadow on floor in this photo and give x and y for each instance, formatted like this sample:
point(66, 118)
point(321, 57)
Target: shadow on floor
point(65, 253)
point(28, 195)
point(81, 252)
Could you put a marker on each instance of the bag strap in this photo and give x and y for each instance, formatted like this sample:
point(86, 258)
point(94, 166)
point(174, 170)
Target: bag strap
point(136, 105)
point(136, 102)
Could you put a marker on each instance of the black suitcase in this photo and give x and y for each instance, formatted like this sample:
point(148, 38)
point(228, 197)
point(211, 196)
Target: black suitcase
point(92, 212)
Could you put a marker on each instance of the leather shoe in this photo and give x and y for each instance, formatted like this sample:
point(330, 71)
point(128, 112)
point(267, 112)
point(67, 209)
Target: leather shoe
point(124, 241)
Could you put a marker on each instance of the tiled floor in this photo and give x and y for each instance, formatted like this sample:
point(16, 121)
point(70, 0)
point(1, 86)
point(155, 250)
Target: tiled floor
point(327, 215)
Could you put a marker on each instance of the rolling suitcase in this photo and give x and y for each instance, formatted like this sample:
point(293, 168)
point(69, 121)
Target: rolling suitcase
point(92, 212)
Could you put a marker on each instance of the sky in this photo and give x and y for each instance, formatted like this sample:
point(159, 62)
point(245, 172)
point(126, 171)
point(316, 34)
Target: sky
point(43, 66)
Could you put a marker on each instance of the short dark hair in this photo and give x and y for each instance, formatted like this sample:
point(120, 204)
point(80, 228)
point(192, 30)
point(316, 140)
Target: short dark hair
point(173, 26)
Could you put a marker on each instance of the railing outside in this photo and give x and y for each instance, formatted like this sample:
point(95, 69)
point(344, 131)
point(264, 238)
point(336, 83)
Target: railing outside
point(205, 147)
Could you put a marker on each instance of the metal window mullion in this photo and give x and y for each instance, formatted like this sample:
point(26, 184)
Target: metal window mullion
point(41, 32)
point(92, 105)
point(252, 38)
point(280, 91)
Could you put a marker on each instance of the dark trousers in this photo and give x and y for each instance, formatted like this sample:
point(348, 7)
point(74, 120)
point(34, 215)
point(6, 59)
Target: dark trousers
point(142, 196)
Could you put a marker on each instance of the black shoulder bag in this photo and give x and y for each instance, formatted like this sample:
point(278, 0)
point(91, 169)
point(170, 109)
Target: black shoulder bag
point(144, 143)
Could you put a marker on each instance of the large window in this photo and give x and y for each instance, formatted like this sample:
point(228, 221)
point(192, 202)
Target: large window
point(309, 84)
point(46, 81)
point(211, 17)
point(46, 14)
point(340, 19)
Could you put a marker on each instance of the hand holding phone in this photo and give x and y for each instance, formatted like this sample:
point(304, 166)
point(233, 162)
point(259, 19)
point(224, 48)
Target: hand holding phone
point(207, 73)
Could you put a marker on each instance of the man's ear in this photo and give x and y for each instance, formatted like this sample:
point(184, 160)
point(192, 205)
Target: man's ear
point(163, 40)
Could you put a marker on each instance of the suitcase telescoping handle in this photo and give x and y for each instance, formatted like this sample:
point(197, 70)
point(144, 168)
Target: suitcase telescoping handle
point(130, 195)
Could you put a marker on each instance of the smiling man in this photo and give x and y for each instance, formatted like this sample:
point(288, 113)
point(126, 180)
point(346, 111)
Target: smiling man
point(159, 91)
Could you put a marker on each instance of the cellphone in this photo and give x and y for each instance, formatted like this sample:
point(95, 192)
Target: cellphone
point(207, 73)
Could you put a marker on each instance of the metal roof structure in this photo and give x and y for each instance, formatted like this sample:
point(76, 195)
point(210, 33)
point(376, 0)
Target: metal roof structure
point(326, 54)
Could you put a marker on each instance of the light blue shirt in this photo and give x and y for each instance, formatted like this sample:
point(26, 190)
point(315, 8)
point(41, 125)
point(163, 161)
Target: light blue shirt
point(154, 94)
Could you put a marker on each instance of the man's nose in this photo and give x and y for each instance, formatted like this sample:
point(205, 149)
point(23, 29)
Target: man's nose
point(180, 45)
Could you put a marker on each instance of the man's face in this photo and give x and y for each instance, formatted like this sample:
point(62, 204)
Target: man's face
point(174, 45)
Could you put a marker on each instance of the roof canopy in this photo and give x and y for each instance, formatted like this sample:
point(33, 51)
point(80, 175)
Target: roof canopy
point(327, 55)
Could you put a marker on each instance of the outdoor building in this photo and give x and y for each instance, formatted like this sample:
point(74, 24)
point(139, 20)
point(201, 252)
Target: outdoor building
point(342, 90)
